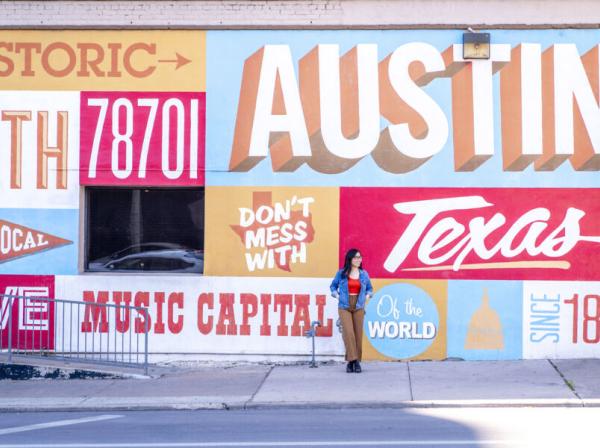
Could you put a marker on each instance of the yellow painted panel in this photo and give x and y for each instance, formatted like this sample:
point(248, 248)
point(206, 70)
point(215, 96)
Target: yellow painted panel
point(290, 231)
point(140, 60)
point(438, 291)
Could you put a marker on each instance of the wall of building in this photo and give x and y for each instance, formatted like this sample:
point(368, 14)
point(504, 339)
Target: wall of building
point(470, 187)
point(299, 13)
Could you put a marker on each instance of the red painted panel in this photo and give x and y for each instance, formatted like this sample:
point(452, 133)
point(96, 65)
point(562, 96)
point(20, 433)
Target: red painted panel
point(474, 233)
point(32, 319)
point(142, 138)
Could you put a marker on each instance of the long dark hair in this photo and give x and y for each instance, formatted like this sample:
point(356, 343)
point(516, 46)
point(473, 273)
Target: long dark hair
point(348, 261)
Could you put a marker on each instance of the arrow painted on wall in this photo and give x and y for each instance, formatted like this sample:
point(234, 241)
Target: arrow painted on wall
point(179, 61)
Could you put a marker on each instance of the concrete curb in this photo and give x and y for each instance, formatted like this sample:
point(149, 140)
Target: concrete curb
point(159, 403)
point(431, 404)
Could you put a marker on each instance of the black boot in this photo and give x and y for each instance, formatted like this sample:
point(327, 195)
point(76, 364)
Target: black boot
point(357, 368)
point(350, 367)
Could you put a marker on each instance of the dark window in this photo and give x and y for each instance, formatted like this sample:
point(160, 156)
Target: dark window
point(145, 229)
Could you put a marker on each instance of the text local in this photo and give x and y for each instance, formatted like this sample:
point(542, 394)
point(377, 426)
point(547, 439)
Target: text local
point(16, 240)
point(549, 106)
point(230, 314)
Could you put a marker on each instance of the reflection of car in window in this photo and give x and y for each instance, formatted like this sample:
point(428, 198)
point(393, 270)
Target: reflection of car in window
point(155, 257)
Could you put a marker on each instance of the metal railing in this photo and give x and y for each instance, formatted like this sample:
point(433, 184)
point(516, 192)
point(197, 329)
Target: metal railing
point(83, 331)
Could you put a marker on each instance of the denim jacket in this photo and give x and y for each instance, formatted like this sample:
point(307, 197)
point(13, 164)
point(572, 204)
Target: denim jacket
point(339, 288)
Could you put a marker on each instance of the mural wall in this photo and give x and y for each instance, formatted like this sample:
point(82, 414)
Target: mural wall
point(471, 187)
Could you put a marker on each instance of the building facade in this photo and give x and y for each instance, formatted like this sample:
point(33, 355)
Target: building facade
point(214, 161)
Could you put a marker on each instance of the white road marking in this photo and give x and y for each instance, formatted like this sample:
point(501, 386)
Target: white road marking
point(264, 443)
point(57, 424)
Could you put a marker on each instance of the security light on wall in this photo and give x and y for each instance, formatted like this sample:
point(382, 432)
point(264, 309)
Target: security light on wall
point(476, 45)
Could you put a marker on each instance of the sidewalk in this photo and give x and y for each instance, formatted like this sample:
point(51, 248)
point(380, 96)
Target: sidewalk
point(382, 384)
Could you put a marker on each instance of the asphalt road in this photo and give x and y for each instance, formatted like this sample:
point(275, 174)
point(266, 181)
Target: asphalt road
point(473, 427)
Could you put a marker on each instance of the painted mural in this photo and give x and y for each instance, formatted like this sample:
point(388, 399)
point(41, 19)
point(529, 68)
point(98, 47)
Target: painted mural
point(471, 187)
point(267, 231)
point(561, 319)
point(402, 108)
point(474, 233)
point(33, 320)
point(406, 319)
point(149, 138)
point(484, 320)
point(210, 315)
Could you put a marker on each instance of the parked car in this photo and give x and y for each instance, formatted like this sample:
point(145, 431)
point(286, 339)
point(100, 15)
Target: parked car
point(157, 257)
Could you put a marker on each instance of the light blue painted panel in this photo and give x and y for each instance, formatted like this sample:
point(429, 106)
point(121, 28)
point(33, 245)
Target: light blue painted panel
point(62, 223)
point(227, 51)
point(485, 329)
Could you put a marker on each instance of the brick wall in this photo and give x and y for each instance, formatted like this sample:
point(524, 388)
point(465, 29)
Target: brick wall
point(298, 14)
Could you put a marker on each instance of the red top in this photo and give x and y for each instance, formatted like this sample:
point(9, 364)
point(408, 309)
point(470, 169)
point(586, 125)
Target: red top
point(353, 285)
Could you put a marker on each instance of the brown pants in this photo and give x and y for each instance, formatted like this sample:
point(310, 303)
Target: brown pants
point(352, 329)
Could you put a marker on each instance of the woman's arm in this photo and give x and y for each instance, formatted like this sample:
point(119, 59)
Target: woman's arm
point(369, 291)
point(335, 284)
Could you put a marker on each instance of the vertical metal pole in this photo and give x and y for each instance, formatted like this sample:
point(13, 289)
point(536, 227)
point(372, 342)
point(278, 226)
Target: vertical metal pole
point(128, 316)
point(146, 345)
point(137, 347)
point(10, 305)
point(38, 324)
point(78, 329)
point(100, 335)
point(22, 346)
point(19, 344)
point(63, 326)
point(313, 347)
point(70, 329)
point(93, 338)
point(130, 330)
point(313, 333)
point(116, 333)
point(41, 330)
point(107, 334)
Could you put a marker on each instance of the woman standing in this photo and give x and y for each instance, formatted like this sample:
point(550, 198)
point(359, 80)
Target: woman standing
point(352, 287)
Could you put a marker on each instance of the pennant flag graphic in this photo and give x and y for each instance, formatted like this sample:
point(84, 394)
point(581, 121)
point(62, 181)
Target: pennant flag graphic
point(19, 241)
